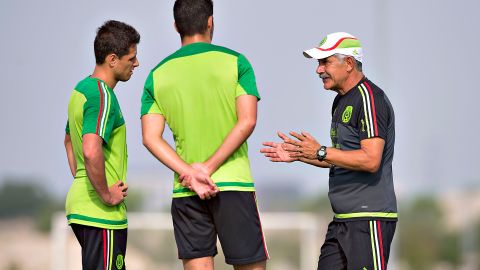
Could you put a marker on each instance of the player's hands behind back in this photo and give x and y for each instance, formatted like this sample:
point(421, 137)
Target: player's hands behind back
point(199, 181)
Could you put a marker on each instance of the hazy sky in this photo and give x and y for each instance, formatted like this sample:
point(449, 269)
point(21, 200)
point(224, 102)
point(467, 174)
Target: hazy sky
point(422, 53)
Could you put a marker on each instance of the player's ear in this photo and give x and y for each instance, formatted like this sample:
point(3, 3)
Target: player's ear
point(210, 22)
point(350, 63)
point(111, 59)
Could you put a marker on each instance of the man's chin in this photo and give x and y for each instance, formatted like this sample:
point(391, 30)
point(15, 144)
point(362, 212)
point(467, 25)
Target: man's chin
point(124, 79)
point(331, 88)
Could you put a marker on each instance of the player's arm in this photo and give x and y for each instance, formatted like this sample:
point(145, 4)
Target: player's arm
point(95, 167)
point(316, 162)
point(368, 158)
point(72, 163)
point(153, 126)
point(246, 106)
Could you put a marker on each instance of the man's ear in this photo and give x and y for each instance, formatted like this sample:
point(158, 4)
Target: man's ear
point(210, 22)
point(350, 63)
point(111, 59)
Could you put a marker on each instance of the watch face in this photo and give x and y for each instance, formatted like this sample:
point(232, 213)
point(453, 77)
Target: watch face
point(322, 153)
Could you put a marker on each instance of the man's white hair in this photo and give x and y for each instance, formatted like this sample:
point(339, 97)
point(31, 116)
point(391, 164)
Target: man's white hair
point(341, 58)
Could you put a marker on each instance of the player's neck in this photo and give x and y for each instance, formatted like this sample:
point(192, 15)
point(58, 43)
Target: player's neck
point(196, 38)
point(104, 74)
point(351, 81)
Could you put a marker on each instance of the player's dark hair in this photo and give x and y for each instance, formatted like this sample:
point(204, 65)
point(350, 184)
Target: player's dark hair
point(114, 37)
point(191, 16)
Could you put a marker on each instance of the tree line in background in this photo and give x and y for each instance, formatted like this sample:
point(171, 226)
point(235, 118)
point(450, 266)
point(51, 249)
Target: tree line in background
point(421, 242)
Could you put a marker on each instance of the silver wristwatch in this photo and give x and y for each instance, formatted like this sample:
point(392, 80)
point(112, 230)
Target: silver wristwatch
point(322, 153)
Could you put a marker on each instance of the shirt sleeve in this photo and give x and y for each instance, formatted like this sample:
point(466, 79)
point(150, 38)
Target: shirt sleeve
point(374, 114)
point(67, 128)
point(246, 78)
point(149, 104)
point(99, 114)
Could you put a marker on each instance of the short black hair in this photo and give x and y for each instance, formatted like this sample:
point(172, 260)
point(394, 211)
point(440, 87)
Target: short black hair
point(114, 37)
point(191, 16)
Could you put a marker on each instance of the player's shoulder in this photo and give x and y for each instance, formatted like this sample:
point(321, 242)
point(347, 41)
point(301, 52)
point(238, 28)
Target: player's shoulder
point(371, 94)
point(92, 88)
point(372, 88)
point(224, 49)
point(194, 49)
point(87, 86)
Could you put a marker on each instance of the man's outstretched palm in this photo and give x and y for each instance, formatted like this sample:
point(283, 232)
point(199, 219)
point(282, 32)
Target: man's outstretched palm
point(276, 152)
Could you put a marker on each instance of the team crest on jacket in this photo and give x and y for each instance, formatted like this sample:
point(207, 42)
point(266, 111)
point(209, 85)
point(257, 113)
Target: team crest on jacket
point(347, 114)
point(119, 261)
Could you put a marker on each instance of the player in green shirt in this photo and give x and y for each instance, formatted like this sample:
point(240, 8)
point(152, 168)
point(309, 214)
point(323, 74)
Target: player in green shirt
point(208, 96)
point(95, 142)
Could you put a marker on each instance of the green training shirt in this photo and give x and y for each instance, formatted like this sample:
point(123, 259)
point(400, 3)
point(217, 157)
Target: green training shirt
point(94, 108)
point(195, 89)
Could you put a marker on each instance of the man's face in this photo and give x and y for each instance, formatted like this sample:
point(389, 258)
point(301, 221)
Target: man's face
point(126, 64)
point(333, 72)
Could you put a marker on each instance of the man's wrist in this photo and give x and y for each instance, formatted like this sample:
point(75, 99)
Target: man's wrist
point(322, 153)
point(209, 168)
point(107, 199)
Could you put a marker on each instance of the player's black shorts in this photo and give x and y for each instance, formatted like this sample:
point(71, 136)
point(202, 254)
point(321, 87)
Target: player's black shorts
point(232, 215)
point(102, 249)
point(357, 245)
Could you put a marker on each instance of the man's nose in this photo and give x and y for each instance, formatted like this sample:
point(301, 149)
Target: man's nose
point(320, 69)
